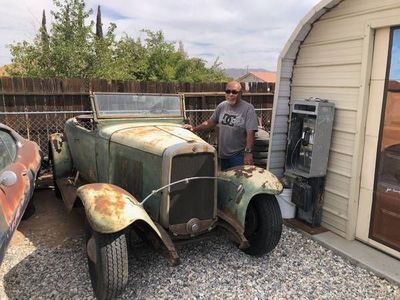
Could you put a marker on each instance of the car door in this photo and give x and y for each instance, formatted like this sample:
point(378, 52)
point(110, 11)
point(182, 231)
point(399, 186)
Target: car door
point(14, 188)
point(82, 144)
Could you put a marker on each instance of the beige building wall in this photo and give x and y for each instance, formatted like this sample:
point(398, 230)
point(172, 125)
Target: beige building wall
point(331, 62)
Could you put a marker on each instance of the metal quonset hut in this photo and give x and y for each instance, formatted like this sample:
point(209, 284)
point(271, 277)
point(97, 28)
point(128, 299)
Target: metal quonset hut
point(347, 51)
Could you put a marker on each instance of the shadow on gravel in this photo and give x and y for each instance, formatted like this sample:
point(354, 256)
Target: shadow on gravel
point(53, 265)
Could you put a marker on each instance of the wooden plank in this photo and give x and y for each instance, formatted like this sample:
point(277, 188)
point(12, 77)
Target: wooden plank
point(302, 226)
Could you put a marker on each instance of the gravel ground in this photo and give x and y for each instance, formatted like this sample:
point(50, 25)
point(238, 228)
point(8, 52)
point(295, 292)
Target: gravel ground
point(215, 268)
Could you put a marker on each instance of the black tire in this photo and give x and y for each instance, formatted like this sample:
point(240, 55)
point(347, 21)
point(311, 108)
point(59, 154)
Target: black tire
point(260, 154)
point(263, 225)
point(109, 273)
point(260, 148)
point(261, 142)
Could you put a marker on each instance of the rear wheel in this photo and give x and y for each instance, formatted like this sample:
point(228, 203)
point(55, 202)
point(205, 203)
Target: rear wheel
point(263, 154)
point(107, 256)
point(263, 225)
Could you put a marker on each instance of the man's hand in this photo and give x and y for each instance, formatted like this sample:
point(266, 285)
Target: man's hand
point(188, 127)
point(248, 158)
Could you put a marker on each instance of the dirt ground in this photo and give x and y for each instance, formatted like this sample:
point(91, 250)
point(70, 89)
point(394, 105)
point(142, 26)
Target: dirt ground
point(51, 224)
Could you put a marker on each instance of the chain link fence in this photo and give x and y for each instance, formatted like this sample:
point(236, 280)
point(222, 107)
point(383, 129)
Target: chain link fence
point(37, 126)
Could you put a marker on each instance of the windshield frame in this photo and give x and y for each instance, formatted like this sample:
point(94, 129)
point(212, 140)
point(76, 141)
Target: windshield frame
point(99, 115)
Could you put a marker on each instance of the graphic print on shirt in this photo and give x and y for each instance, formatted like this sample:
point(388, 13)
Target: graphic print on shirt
point(232, 120)
point(228, 119)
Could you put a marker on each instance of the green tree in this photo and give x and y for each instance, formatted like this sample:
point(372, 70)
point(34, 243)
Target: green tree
point(65, 52)
point(73, 49)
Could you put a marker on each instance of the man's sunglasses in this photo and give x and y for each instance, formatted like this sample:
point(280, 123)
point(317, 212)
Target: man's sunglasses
point(233, 92)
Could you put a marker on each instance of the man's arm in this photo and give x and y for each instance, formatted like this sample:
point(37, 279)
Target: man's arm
point(248, 154)
point(206, 125)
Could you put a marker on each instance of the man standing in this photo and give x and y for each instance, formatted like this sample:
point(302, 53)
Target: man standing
point(237, 122)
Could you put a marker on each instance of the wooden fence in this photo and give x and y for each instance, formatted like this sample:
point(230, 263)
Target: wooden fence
point(32, 94)
point(38, 107)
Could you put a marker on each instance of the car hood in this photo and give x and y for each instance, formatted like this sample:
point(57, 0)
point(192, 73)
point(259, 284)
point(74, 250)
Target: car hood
point(153, 138)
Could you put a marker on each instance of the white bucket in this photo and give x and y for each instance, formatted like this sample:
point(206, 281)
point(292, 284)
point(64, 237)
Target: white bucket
point(288, 209)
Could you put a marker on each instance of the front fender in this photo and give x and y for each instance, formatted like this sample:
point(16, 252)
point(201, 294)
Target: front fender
point(110, 208)
point(240, 185)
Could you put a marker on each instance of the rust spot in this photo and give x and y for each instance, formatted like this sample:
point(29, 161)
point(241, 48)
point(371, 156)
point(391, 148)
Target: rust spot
point(15, 195)
point(58, 142)
point(103, 205)
point(138, 132)
point(244, 171)
point(108, 207)
point(154, 142)
point(108, 189)
point(29, 156)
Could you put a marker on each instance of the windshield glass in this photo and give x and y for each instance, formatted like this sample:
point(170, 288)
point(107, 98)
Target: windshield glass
point(130, 105)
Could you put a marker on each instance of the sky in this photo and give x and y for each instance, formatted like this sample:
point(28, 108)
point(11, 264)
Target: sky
point(395, 62)
point(241, 34)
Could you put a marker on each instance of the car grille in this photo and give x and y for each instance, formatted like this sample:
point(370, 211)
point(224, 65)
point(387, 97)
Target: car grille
point(194, 199)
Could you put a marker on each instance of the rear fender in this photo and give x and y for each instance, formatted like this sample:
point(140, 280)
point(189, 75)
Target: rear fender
point(60, 155)
point(240, 185)
point(110, 208)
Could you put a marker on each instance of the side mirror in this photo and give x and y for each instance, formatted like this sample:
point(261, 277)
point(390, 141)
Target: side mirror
point(8, 178)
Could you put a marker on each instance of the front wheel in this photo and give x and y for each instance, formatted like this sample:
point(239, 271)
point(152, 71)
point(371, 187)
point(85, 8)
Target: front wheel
point(263, 225)
point(107, 256)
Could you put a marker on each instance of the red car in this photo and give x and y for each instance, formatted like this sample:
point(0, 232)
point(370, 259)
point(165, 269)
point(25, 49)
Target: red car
point(20, 161)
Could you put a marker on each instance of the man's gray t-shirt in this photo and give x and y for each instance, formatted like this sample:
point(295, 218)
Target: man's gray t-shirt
point(234, 122)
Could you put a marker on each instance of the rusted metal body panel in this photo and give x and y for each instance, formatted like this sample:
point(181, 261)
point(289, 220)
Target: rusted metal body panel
point(154, 139)
point(138, 173)
point(254, 181)
point(81, 142)
point(110, 208)
point(60, 155)
point(14, 198)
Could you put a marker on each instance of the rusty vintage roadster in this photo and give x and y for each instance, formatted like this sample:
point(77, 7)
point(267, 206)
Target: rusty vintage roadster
point(140, 176)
